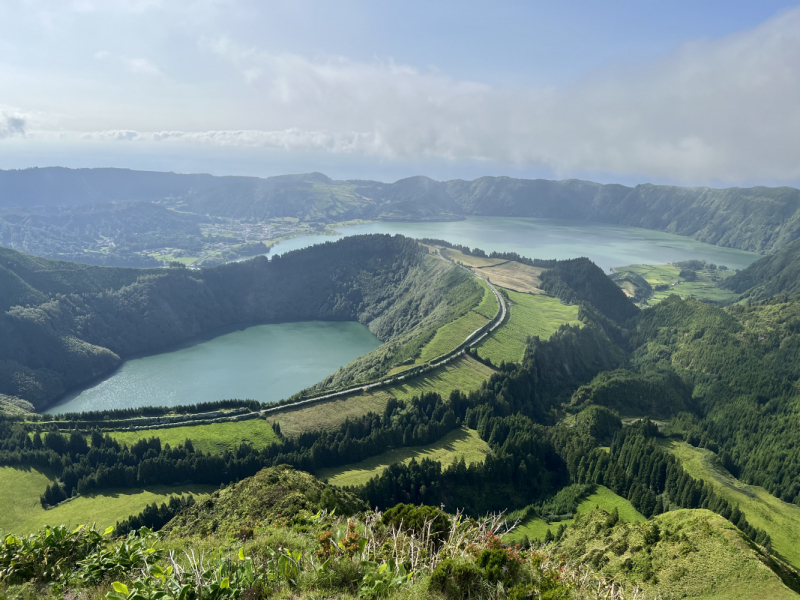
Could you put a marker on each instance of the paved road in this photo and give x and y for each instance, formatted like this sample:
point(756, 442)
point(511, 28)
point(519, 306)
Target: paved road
point(441, 361)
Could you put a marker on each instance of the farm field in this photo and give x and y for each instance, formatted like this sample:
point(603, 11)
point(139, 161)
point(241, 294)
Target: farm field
point(22, 513)
point(464, 373)
point(461, 442)
point(529, 315)
point(602, 498)
point(448, 337)
point(470, 261)
point(514, 276)
point(705, 287)
point(214, 438)
point(763, 510)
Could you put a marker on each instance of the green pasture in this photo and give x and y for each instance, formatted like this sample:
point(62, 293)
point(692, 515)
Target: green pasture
point(529, 315)
point(22, 512)
point(488, 306)
point(213, 438)
point(460, 442)
point(450, 336)
point(463, 373)
point(470, 261)
point(603, 498)
point(705, 287)
point(763, 510)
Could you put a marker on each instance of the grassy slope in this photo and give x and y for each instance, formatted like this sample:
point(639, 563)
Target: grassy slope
point(530, 315)
point(699, 555)
point(461, 442)
point(470, 261)
point(488, 306)
point(448, 338)
point(515, 276)
point(463, 373)
point(706, 286)
point(603, 498)
point(22, 513)
point(779, 519)
point(216, 437)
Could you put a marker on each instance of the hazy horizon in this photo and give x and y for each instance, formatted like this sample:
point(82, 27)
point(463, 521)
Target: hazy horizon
point(682, 93)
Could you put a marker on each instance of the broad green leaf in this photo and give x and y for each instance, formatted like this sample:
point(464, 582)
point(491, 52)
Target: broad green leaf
point(108, 530)
point(120, 588)
point(241, 553)
point(225, 584)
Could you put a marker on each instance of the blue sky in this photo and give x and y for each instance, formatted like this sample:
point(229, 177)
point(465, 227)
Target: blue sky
point(695, 93)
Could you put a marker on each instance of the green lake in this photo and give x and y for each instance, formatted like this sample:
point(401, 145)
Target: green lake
point(263, 362)
point(274, 361)
point(607, 245)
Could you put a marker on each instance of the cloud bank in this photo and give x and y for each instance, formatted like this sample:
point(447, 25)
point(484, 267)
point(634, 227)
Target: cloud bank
point(724, 110)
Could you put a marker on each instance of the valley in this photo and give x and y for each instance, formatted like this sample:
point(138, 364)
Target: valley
point(415, 384)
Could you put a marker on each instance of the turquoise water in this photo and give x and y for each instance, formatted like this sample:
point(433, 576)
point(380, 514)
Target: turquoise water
point(272, 362)
point(607, 245)
point(263, 362)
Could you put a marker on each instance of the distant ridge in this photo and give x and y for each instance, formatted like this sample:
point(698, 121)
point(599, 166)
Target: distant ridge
point(758, 219)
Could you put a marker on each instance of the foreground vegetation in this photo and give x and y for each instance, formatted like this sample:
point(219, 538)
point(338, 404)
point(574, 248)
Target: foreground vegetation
point(779, 519)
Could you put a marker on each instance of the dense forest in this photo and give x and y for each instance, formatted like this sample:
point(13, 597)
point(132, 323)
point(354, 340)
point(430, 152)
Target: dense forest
point(769, 276)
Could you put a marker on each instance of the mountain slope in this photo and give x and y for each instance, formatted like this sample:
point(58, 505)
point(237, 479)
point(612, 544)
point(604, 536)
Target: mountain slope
point(679, 554)
point(66, 323)
point(758, 219)
point(771, 275)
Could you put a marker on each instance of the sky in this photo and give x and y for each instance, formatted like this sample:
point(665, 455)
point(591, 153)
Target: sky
point(682, 92)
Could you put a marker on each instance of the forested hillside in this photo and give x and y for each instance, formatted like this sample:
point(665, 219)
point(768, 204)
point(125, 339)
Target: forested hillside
point(68, 323)
point(771, 275)
point(758, 219)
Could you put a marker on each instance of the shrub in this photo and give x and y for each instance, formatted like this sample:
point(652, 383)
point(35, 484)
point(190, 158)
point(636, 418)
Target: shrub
point(418, 519)
point(457, 579)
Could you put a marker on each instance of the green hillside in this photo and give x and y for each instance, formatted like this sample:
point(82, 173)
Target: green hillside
point(771, 275)
point(779, 519)
point(457, 443)
point(79, 321)
point(22, 513)
point(680, 554)
point(529, 315)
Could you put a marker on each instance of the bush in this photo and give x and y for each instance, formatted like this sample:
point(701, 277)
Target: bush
point(456, 579)
point(418, 519)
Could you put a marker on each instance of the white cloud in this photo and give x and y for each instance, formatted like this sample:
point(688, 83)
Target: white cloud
point(140, 65)
point(724, 110)
point(102, 54)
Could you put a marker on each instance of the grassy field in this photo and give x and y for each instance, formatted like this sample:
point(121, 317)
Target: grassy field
point(215, 438)
point(461, 442)
point(515, 276)
point(763, 510)
point(529, 315)
point(470, 261)
point(463, 373)
point(488, 306)
point(705, 287)
point(603, 498)
point(449, 337)
point(22, 513)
